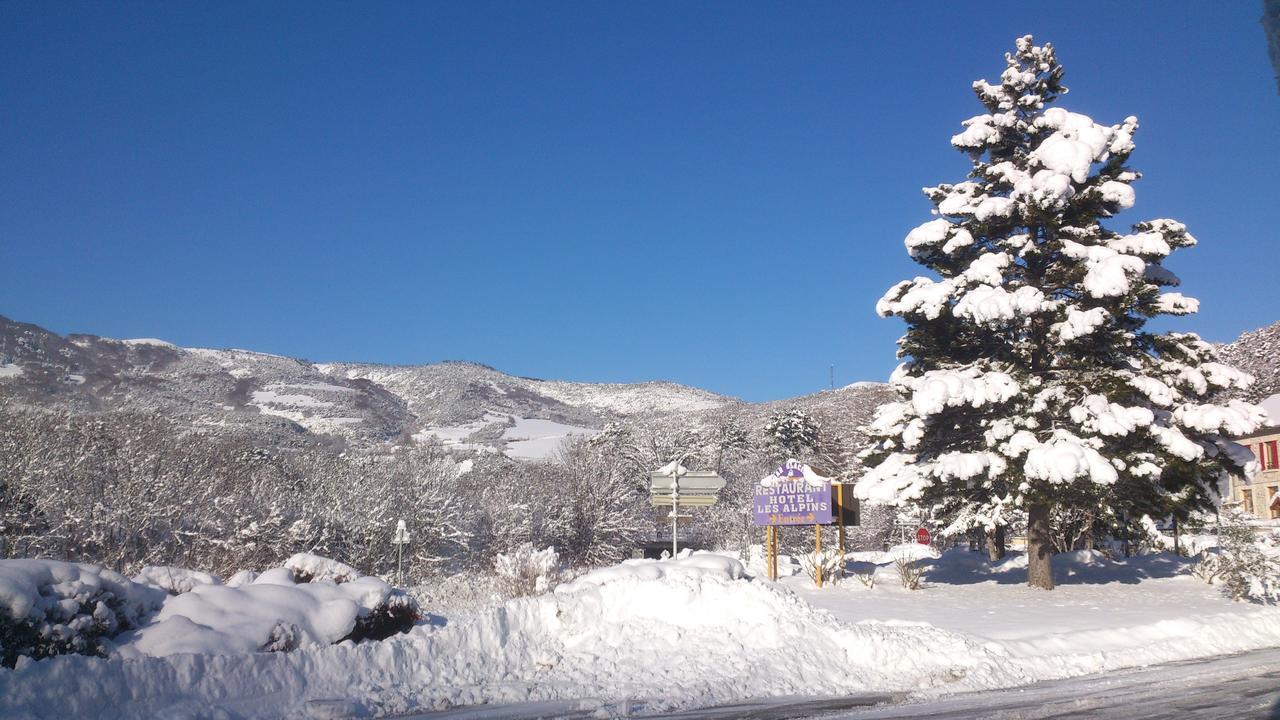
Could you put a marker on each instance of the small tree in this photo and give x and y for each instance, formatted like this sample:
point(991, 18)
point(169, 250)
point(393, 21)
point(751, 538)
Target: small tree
point(1031, 381)
point(1246, 570)
point(794, 432)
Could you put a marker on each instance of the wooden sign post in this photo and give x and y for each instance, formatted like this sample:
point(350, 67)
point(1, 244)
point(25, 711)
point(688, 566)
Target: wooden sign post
point(817, 554)
point(796, 495)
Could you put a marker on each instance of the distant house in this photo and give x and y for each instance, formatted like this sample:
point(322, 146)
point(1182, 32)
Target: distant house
point(1261, 498)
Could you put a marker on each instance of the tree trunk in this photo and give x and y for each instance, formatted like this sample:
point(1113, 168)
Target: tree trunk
point(995, 543)
point(1039, 547)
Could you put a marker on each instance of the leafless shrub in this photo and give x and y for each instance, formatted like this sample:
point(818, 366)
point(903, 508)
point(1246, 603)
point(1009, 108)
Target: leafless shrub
point(910, 572)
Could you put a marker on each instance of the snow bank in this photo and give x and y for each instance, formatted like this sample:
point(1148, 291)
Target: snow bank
point(50, 607)
point(271, 613)
point(650, 635)
point(174, 580)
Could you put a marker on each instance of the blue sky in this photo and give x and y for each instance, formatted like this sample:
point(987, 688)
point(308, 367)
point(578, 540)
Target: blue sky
point(713, 193)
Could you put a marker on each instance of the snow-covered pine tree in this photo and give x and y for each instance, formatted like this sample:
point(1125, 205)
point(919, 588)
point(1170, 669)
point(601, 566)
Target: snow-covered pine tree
point(793, 431)
point(1030, 379)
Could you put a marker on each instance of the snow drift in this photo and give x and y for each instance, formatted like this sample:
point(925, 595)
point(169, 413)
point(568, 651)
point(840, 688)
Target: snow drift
point(663, 634)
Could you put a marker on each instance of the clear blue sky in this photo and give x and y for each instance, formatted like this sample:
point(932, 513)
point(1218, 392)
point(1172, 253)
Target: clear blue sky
point(713, 193)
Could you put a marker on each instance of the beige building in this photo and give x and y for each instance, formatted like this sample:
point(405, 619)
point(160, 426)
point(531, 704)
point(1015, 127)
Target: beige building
point(1261, 498)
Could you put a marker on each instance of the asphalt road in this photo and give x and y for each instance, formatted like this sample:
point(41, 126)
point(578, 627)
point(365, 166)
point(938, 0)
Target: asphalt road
point(1245, 686)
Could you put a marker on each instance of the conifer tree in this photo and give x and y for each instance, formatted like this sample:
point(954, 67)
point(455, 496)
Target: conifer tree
point(1030, 379)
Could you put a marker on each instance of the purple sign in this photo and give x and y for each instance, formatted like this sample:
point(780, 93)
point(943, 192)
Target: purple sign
point(785, 501)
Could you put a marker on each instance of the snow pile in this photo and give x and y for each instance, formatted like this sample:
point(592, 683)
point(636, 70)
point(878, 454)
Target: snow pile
point(273, 612)
point(48, 607)
point(646, 636)
point(308, 568)
point(174, 580)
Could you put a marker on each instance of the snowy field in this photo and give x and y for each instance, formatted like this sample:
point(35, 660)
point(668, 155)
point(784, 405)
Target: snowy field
point(647, 637)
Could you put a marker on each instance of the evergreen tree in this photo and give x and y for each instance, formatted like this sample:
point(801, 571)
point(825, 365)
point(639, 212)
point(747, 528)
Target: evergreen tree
point(793, 432)
point(1030, 378)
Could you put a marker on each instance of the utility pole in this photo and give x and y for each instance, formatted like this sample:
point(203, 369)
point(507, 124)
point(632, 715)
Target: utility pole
point(831, 376)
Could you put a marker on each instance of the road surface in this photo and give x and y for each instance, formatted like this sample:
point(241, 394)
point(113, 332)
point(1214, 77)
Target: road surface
point(1244, 686)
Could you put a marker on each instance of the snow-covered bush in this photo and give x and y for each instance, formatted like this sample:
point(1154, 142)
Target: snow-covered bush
point(910, 571)
point(1207, 565)
point(277, 611)
point(525, 571)
point(310, 568)
point(57, 608)
point(1250, 568)
point(828, 561)
point(174, 580)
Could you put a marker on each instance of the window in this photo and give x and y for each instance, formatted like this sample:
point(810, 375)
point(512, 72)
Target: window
point(1268, 457)
point(1246, 499)
point(1273, 494)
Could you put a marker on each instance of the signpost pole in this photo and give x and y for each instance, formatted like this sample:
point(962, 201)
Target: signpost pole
point(773, 554)
point(840, 503)
point(675, 510)
point(400, 538)
point(817, 554)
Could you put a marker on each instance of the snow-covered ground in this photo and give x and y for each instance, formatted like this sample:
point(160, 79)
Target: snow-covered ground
point(652, 636)
point(535, 439)
point(525, 438)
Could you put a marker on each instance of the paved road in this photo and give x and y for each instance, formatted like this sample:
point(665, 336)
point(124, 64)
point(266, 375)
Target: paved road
point(1245, 686)
point(1236, 686)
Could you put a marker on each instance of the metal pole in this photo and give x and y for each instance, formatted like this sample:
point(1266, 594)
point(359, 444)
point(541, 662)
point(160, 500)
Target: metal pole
point(675, 510)
point(399, 562)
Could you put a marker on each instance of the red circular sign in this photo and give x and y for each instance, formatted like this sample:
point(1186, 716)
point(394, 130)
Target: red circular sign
point(922, 536)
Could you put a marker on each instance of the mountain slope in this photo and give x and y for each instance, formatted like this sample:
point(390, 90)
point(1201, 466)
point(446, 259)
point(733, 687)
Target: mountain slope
point(288, 401)
point(1257, 353)
point(466, 407)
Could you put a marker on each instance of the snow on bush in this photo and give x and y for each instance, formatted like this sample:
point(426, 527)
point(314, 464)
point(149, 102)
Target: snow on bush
point(1249, 564)
point(309, 568)
point(525, 571)
point(665, 634)
point(52, 608)
point(276, 612)
point(829, 561)
point(174, 580)
point(910, 571)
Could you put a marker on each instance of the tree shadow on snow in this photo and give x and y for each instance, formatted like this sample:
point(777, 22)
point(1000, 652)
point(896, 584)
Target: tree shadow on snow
point(1082, 567)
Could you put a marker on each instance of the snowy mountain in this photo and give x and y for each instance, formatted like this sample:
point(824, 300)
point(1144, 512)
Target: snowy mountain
point(287, 401)
point(1257, 353)
point(464, 406)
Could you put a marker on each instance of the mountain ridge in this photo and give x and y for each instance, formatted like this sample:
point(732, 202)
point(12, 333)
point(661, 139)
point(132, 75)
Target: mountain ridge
point(464, 405)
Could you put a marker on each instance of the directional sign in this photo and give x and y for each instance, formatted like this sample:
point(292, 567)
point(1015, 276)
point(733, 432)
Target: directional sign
point(694, 482)
point(402, 534)
point(685, 500)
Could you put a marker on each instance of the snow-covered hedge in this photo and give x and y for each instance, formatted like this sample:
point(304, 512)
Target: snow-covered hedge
point(312, 601)
point(525, 571)
point(57, 608)
point(174, 580)
point(51, 608)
